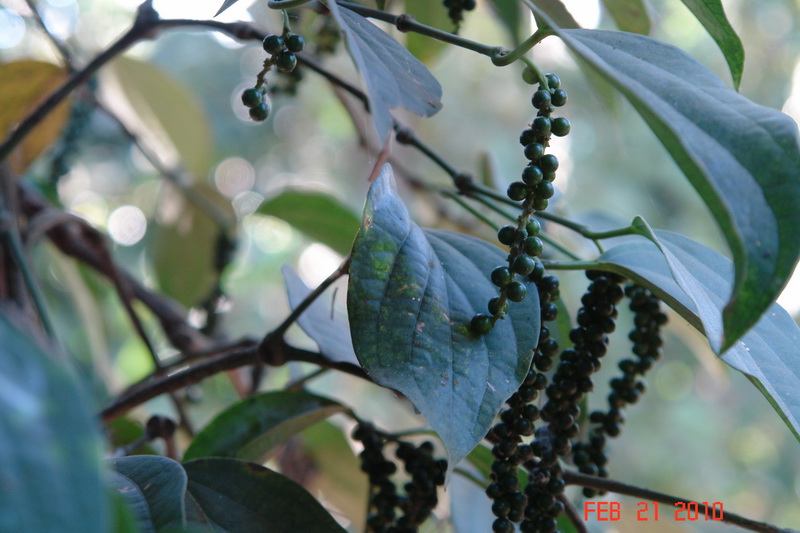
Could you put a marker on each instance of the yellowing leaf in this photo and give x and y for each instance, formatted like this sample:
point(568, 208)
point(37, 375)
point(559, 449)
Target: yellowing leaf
point(25, 85)
point(167, 112)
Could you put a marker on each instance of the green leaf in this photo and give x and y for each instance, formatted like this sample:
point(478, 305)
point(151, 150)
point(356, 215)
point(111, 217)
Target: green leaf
point(133, 501)
point(335, 466)
point(741, 157)
point(253, 427)
point(184, 244)
point(162, 483)
point(422, 47)
point(411, 296)
point(50, 444)
point(712, 16)
point(125, 519)
point(629, 15)
point(168, 112)
point(694, 280)
point(328, 329)
point(557, 13)
point(225, 5)
point(509, 13)
point(248, 498)
point(394, 78)
point(318, 215)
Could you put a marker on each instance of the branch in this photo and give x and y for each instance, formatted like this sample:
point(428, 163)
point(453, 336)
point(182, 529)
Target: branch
point(594, 482)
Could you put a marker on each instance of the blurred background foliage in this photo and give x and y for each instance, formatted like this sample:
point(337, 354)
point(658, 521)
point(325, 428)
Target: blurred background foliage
point(703, 432)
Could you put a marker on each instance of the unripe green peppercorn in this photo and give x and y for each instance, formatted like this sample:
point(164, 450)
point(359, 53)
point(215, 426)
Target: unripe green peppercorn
point(532, 174)
point(252, 97)
point(553, 81)
point(507, 234)
point(545, 190)
point(481, 324)
point(541, 99)
point(260, 112)
point(560, 126)
point(286, 61)
point(295, 42)
point(517, 191)
point(533, 227)
point(534, 151)
point(548, 163)
point(558, 98)
point(534, 246)
point(272, 44)
point(523, 264)
point(501, 276)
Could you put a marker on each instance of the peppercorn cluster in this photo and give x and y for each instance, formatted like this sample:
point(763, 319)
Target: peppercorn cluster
point(456, 8)
point(281, 50)
point(511, 504)
point(534, 191)
point(420, 495)
point(590, 456)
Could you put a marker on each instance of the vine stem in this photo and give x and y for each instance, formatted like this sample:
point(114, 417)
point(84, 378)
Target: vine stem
point(594, 482)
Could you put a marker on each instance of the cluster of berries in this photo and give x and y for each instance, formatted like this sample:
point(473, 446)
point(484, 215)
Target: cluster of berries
point(534, 191)
point(421, 493)
point(590, 456)
point(456, 8)
point(281, 50)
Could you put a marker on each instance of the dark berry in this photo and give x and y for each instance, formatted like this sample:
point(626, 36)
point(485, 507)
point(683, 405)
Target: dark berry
point(516, 291)
point(560, 126)
point(559, 97)
point(501, 508)
point(501, 276)
point(537, 273)
point(541, 99)
point(273, 44)
point(548, 163)
point(507, 234)
point(503, 525)
point(527, 137)
point(481, 324)
point(541, 126)
point(517, 191)
point(545, 190)
point(553, 81)
point(523, 264)
point(532, 174)
point(534, 151)
point(252, 97)
point(295, 42)
point(540, 204)
point(533, 246)
point(533, 227)
point(260, 111)
point(496, 308)
point(286, 61)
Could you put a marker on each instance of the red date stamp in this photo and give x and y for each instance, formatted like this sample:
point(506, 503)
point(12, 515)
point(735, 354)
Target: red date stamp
point(609, 511)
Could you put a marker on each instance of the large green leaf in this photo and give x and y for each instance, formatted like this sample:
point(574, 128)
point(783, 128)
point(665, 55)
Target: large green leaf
point(168, 111)
point(253, 427)
point(694, 280)
point(712, 16)
point(557, 13)
point(425, 48)
point(411, 296)
point(241, 497)
point(394, 77)
point(160, 481)
point(741, 157)
point(330, 330)
point(629, 15)
point(318, 215)
point(509, 13)
point(50, 444)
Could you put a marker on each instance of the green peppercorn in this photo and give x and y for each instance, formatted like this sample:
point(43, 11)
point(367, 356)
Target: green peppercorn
point(553, 81)
point(260, 112)
point(286, 61)
point(548, 163)
point(558, 98)
point(541, 99)
point(295, 42)
point(481, 324)
point(545, 190)
point(533, 227)
point(560, 126)
point(517, 191)
point(496, 308)
point(534, 246)
point(532, 174)
point(501, 276)
point(507, 234)
point(523, 264)
point(273, 44)
point(252, 97)
point(541, 126)
point(534, 151)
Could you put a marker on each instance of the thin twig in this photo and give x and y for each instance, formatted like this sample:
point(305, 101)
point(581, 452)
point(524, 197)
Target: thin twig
point(573, 514)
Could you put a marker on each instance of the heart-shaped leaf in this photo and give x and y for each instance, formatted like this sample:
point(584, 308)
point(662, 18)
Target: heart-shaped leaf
point(694, 280)
point(253, 427)
point(629, 15)
point(162, 484)
point(330, 330)
point(411, 296)
point(248, 498)
point(712, 16)
point(50, 443)
point(741, 157)
point(394, 77)
point(318, 215)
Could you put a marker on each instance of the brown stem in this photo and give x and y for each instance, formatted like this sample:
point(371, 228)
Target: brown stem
point(574, 478)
